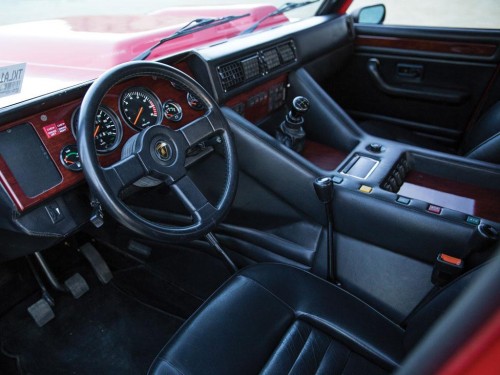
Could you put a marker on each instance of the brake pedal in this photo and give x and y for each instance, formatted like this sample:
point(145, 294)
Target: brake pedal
point(41, 312)
point(97, 263)
point(76, 285)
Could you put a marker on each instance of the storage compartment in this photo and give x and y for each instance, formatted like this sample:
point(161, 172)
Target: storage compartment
point(444, 183)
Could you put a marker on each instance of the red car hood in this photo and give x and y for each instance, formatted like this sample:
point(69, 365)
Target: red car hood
point(63, 52)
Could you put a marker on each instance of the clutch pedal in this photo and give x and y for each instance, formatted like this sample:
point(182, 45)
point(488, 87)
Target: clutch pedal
point(41, 312)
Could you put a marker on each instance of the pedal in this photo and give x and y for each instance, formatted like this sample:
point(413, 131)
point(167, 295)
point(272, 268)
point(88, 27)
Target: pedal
point(76, 285)
point(41, 312)
point(97, 263)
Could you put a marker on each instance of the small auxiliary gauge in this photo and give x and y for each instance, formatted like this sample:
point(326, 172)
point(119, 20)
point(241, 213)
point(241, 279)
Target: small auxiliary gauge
point(194, 102)
point(172, 111)
point(70, 158)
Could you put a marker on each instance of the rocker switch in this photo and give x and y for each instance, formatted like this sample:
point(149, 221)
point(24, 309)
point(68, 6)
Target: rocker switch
point(54, 212)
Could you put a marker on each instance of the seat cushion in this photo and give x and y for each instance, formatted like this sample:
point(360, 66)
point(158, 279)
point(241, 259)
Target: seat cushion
point(273, 318)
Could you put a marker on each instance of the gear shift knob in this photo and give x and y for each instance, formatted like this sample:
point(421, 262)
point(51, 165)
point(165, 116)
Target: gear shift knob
point(323, 186)
point(290, 132)
point(300, 105)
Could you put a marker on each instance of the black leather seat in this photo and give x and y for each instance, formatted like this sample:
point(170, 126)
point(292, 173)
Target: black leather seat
point(277, 319)
point(482, 142)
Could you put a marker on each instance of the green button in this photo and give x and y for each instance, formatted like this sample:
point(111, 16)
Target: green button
point(472, 220)
point(403, 200)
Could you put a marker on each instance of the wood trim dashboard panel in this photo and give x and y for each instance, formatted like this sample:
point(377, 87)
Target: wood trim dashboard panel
point(258, 102)
point(426, 45)
point(63, 114)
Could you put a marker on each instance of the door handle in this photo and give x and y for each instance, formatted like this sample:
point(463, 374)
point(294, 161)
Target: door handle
point(422, 93)
point(410, 71)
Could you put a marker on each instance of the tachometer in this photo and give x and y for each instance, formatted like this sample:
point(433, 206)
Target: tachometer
point(107, 129)
point(140, 108)
point(172, 110)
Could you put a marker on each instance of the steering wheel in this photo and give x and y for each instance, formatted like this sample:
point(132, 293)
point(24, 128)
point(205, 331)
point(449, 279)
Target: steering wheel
point(158, 152)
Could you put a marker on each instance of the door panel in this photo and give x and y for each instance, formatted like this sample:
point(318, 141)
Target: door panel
point(416, 83)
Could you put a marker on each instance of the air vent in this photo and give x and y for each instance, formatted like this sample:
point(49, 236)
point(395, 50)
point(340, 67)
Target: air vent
point(287, 52)
point(231, 75)
point(271, 59)
point(250, 67)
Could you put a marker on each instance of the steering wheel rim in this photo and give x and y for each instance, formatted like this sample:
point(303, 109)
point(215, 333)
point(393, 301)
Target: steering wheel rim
point(159, 152)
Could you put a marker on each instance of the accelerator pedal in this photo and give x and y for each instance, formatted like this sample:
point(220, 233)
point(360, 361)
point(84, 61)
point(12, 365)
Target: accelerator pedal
point(97, 263)
point(41, 312)
point(76, 285)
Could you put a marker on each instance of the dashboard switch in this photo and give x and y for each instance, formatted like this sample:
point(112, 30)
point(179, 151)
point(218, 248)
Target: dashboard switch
point(54, 212)
point(434, 209)
point(403, 200)
point(472, 220)
point(337, 179)
point(365, 189)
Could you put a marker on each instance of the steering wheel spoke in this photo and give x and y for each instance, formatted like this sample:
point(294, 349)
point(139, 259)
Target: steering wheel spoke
point(201, 129)
point(124, 173)
point(193, 199)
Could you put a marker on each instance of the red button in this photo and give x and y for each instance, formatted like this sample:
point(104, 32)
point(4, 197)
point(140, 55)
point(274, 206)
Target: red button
point(434, 209)
point(450, 259)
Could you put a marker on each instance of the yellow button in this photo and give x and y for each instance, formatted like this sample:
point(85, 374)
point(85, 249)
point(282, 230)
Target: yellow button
point(365, 189)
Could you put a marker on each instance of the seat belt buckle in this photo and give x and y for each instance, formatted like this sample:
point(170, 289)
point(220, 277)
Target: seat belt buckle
point(446, 269)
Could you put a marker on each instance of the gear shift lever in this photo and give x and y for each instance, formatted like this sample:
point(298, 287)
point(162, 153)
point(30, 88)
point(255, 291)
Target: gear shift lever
point(290, 132)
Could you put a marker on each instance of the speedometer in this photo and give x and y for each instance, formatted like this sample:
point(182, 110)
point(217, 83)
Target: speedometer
point(140, 108)
point(107, 129)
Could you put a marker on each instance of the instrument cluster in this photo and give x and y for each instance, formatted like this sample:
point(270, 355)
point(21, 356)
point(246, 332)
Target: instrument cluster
point(138, 106)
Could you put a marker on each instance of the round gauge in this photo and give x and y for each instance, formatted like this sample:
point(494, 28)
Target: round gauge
point(194, 102)
point(140, 108)
point(107, 129)
point(172, 111)
point(70, 158)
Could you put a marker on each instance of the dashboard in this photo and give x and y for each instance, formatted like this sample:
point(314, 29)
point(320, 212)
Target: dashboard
point(249, 75)
point(126, 109)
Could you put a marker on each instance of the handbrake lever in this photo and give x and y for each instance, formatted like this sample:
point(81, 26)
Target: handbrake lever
point(324, 190)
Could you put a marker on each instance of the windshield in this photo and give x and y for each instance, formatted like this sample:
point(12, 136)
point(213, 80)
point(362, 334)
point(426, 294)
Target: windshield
point(49, 45)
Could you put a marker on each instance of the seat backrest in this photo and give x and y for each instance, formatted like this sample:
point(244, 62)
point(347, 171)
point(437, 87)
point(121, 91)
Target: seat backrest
point(482, 141)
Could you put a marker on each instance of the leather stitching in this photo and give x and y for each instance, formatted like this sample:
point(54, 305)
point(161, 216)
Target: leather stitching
point(272, 294)
point(343, 335)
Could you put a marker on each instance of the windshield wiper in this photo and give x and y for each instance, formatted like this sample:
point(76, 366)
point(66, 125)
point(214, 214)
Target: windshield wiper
point(191, 27)
point(282, 9)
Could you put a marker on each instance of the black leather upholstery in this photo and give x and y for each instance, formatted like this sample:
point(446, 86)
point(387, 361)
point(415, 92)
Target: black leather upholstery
point(275, 319)
point(483, 141)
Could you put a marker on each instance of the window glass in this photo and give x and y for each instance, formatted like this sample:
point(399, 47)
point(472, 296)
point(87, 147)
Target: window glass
point(17, 11)
point(482, 14)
